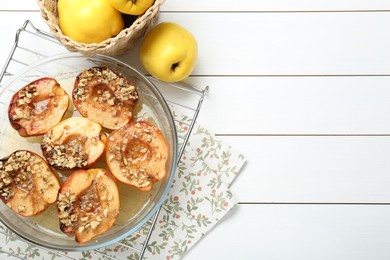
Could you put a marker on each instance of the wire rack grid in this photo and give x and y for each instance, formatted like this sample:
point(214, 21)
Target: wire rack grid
point(181, 97)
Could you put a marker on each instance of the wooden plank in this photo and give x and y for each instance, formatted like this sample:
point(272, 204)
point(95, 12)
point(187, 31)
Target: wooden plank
point(276, 5)
point(296, 105)
point(289, 44)
point(313, 169)
point(243, 5)
point(286, 43)
point(299, 232)
point(283, 44)
point(18, 5)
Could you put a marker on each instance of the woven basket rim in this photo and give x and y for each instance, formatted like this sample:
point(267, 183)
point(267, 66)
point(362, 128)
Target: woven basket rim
point(127, 33)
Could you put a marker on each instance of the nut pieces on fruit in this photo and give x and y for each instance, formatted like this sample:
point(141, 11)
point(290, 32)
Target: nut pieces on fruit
point(105, 96)
point(88, 204)
point(37, 107)
point(137, 154)
point(74, 143)
point(27, 184)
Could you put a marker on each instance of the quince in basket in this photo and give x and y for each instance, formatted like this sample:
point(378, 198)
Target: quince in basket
point(89, 21)
point(133, 7)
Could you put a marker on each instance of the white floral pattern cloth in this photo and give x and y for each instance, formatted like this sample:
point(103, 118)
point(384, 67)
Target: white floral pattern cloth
point(198, 199)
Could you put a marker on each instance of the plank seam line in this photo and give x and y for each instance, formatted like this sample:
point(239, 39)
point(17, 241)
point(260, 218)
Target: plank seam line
point(287, 75)
point(318, 203)
point(279, 11)
point(304, 135)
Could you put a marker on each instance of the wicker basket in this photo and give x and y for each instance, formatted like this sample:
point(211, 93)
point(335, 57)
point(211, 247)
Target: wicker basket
point(113, 46)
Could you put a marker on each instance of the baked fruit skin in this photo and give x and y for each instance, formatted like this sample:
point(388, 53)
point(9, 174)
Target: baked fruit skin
point(27, 184)
point(75, 143)
point(104, 96)
point(137, 154)
point(37, 107)
point(88, 204)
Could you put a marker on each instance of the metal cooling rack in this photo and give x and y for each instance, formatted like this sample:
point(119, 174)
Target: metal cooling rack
point(28, 40)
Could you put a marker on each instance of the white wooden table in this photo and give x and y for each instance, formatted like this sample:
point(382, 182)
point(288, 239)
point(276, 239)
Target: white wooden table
point(302, 88)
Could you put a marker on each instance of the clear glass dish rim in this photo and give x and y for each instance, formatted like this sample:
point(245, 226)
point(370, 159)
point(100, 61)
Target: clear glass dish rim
point(157, 205)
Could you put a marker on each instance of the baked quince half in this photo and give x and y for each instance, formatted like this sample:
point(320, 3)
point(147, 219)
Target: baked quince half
point(37, 107)
point(88, 204)
point(27, 183)
point(74, 143)
point(137, 154)
point(105, 96)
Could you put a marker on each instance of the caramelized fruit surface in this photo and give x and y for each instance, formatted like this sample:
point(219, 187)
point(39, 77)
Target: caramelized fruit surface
point(105, 97)
point(37, 107)
point(76, 142)
point(88, 204)
point(137, 154)
point(27, 183)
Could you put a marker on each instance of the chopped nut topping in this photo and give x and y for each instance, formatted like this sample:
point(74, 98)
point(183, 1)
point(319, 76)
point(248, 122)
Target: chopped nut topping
point(131, 160)
point(16, 171)
point(68, 155)
point(148, 138)
point(27, 93)
point(21, 208)
point(20, 114)
point(66, 210)
point(105, 212)
point(82, 213)
point(25, 98)
point(122, 90)
point(94, 224)
point(81, 229)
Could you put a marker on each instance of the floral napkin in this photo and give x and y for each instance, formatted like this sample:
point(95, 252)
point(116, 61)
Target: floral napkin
point(198, 199)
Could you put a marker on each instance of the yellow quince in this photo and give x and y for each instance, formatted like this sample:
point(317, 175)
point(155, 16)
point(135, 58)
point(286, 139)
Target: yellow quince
point(132, 7)
point(89, 21)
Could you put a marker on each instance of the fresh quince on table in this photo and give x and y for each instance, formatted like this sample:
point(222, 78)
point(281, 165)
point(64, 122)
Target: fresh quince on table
point(89, 21)
point(132, 7)
point(169, 52)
